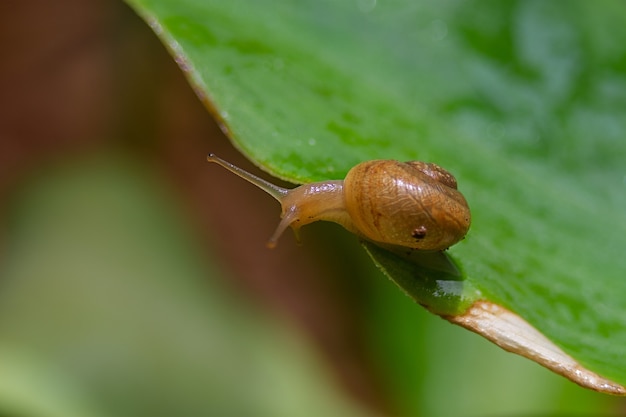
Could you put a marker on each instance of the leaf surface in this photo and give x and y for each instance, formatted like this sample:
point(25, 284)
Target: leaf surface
point(523, 101)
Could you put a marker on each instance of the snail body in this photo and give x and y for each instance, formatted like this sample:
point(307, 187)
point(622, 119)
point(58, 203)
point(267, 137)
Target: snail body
point(413, 205)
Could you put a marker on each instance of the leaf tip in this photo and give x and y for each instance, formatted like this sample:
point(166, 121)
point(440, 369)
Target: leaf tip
point(514, 334)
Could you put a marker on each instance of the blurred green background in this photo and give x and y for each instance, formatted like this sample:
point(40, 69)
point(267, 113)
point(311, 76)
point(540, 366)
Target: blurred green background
point(133, 284)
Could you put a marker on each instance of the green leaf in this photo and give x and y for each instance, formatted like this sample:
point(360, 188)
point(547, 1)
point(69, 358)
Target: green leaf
point(523, 101)
point(431, 278)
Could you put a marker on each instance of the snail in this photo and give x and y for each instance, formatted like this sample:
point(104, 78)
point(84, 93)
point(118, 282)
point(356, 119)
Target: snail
point(414, 205)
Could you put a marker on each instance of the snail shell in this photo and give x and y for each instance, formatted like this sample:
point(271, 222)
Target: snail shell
point(409, 204)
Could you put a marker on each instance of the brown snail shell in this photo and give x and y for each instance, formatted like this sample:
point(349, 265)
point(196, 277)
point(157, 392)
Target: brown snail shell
point(409, 204)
